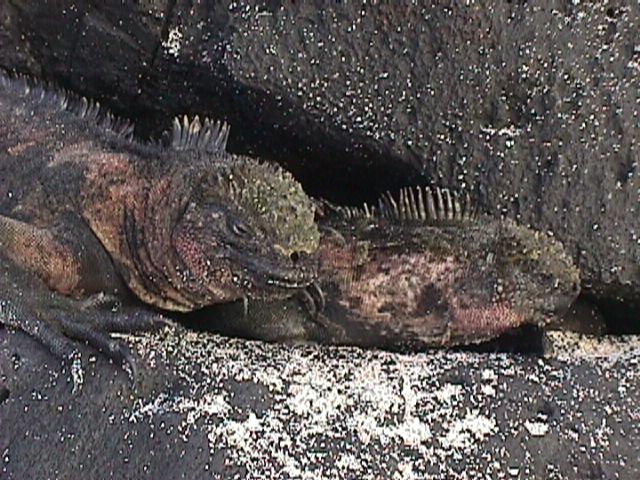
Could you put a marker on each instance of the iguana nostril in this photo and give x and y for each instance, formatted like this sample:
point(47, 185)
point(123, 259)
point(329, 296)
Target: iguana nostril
point(295, 257)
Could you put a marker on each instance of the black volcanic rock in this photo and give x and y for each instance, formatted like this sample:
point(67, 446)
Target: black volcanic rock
point(532, 106)
point(209, 407)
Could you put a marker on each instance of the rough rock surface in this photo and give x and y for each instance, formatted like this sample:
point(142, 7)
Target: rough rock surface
point(534, 105)
point(209, 407)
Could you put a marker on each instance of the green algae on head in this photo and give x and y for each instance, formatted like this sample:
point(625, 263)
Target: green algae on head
point(272, 198)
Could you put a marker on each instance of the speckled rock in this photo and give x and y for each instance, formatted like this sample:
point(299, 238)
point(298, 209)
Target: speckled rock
point(534, 105)
point(209, 407)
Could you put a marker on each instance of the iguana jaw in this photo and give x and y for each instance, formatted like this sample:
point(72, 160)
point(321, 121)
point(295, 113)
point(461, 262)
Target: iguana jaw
point(225, 265)
point(273, 275)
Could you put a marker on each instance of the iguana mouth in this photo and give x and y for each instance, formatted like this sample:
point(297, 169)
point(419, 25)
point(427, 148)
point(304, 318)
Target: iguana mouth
point(270, 285)
point(285, 278)
point(288, 283)
point(278, 273)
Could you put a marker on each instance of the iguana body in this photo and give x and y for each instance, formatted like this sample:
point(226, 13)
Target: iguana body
point(87, 209)
point(420, 270)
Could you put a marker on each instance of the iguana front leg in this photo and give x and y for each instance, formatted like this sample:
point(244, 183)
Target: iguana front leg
point(70, 261)
point(59, 322)
point(57, 329)
point(66, 256)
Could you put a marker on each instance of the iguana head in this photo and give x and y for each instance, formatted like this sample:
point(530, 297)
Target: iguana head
point(202, 226)
point(518, 276)
point(220, 231)
point(247, 230)
point(538, 274)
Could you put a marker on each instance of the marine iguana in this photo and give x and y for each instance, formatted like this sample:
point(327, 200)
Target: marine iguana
point(421, 269)
point(87, 208)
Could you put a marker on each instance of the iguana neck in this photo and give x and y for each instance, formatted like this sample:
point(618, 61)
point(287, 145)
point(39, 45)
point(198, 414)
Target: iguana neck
point(133, 213)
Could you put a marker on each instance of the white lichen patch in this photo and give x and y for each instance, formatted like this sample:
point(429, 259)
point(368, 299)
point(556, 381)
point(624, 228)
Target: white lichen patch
point(463, 433)
point(77, 371)
point(320, 412)
point(536, 428)
point(570, 346)
point(311, 398)
point(173, 43)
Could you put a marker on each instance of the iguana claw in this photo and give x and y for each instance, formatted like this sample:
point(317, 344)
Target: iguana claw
point(60, 330)
point(313, 300)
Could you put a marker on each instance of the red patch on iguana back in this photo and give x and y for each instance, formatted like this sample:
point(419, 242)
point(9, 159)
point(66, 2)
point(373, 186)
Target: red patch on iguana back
point(415, 293)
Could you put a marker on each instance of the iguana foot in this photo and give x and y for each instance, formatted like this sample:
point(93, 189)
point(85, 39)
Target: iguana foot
point(60, 329)
point(313, 303)
point(116, 350)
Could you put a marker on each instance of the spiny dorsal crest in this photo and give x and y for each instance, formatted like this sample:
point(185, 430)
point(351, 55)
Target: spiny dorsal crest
point(92, 110)
point(207, 136)
point(47, 94)
point(426, 204)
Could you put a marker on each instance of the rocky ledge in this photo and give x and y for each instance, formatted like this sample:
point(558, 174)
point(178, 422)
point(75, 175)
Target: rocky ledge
point(206, 406)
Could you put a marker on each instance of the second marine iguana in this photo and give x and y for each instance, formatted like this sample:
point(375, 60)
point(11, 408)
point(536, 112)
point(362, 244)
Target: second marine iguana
point(87, 209)
point(421, 269)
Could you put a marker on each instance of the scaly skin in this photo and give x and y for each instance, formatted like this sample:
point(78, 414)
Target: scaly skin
point(419, 283)
point(187, 227)
point(86, 208)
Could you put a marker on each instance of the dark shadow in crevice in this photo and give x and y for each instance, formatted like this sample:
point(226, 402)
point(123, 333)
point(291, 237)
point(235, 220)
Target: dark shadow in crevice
point(620, 314)
point(4, 394)
point(346, 167)
point(526, 340)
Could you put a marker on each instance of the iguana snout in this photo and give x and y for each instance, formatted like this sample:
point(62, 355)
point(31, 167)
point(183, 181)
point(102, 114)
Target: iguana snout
point(233, 255)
